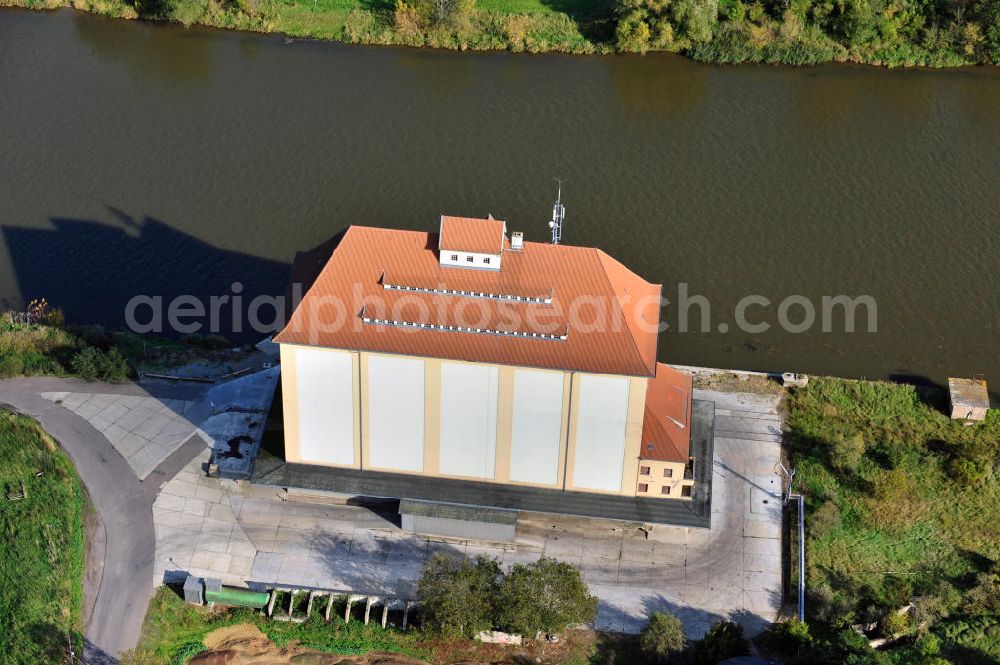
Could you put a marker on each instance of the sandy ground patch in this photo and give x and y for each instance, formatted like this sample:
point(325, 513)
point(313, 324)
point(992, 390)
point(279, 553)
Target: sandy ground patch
point(246, 645)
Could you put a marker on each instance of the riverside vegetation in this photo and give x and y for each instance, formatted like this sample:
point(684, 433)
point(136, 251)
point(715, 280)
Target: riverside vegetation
point(41, 546)
point(881, 32)
point(902, 507)
point(37, 342)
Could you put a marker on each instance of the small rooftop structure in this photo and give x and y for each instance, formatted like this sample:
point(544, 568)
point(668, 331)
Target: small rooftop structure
point(970, 398)
point(467, 242)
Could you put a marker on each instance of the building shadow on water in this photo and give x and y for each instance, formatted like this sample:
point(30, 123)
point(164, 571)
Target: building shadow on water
point(93, 269)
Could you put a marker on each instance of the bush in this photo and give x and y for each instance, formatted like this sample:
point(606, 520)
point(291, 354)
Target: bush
point(825, 606)
point(85, 362)
point(847, 451)
point(662, 636)
point(360, 26)
point(92, 364)
point(547, 596)
point(894, 623)
point(792, 636)
point(928, 645)
point(896, 503)
point(968, 472)
point(457, 596)
point(984, 597)
point(113, 366)
point(723, 640)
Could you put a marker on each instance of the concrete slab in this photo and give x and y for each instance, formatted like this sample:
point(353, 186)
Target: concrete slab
point(144, 430)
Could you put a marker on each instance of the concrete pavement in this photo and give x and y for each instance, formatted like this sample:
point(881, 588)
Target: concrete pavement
point(117, 588)
point(144, 430)
point(215, 528)
point(244, 533)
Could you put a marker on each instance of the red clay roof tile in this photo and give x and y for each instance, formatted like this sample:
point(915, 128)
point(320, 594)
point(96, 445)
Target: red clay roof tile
point(612, 314)
point(666, 426)
point(469, 234)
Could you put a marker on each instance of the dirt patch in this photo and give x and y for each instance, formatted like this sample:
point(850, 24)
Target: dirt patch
point(731, 382)
point(245, 644)
point(575, 646)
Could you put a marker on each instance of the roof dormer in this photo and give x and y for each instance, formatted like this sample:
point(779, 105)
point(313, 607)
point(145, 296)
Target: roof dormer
point(469, 242)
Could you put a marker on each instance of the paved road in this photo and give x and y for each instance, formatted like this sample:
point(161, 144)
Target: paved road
point(118, 585)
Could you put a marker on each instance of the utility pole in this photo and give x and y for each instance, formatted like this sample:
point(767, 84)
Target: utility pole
point(558, 216)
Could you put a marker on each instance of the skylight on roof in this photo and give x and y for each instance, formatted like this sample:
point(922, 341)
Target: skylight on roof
point(524, 334)
point(510, 297)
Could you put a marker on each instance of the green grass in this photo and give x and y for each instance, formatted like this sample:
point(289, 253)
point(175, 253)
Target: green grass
point(174, 628)
point(588, 8)
point(41, 546)
point(39, 349)
point(28, 350)
point(905, 517)
point(929, 530)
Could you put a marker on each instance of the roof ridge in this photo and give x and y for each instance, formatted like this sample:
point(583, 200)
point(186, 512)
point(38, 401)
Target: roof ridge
point(635, 344)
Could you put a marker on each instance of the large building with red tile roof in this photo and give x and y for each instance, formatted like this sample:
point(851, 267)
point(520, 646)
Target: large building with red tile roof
point(473, 355)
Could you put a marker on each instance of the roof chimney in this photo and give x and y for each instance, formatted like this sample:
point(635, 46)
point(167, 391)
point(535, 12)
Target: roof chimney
point(517, 241)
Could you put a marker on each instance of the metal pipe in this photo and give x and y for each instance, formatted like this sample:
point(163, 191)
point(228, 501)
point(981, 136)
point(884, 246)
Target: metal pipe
point(802, 555)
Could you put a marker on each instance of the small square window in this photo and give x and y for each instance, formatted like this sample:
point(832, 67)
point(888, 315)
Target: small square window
point(668, 473)
point(664, 490)
point(469, 259)
point(486, 259)
point(643, 487)
point(686, 490)
point(644, 470)
point(454, 257)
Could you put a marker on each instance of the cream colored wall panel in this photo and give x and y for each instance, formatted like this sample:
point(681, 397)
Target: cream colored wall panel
point(468, 420)
point(396, 413)
point(600, 433)
point(324, 383)
point(538, 413)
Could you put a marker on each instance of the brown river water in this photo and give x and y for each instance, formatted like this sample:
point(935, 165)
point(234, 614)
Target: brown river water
point(151, 159)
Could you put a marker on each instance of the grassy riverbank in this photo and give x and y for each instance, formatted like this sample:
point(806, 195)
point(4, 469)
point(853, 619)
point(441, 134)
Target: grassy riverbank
point(797, 32)
point(42, 345)
point(41, 546)
point(902, 504)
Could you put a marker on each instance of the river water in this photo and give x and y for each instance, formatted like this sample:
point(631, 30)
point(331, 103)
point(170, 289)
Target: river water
point(145, 158)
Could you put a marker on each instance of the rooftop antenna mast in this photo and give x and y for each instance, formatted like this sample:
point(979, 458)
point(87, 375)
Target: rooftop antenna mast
point(558, 216)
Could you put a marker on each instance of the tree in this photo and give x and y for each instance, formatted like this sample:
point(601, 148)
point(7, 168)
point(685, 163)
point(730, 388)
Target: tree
point(457, 596)
point(696, 18)
point(547, 595)
point(662, 636)
point(664, 24)
point(723, 640)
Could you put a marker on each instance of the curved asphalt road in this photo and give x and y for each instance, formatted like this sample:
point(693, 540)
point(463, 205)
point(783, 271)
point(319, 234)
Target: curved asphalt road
point(119, 584)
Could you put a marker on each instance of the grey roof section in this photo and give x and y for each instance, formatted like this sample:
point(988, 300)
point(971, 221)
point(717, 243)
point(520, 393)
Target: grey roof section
point(379, 484)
